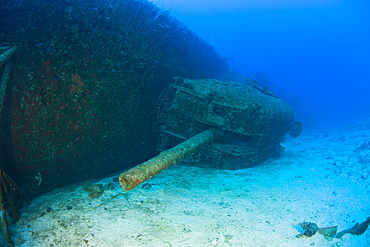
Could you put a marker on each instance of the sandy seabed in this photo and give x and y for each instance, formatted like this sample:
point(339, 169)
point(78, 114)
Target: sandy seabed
point(323, 177)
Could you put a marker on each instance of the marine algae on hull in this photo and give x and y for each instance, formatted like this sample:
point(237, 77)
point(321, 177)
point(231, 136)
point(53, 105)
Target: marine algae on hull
point(85, 82)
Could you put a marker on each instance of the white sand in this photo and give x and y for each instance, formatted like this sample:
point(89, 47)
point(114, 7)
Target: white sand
point(318, 179)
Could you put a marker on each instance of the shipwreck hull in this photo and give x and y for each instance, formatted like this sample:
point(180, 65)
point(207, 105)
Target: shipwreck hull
point(80, 100)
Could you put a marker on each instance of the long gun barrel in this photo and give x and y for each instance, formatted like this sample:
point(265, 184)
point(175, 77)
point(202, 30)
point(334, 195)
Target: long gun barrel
point(140, 173)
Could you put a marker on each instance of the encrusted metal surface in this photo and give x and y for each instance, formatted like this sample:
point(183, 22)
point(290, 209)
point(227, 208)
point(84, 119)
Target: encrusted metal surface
point(254, 122)
point(84, 83)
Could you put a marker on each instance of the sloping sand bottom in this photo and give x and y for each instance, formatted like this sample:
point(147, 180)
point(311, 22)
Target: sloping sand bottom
point(322, 178)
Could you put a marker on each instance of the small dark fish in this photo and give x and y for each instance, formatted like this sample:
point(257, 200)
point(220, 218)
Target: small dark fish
point(146, 186)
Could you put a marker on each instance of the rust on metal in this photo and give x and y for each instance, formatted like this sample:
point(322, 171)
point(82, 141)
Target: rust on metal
point(138, 174)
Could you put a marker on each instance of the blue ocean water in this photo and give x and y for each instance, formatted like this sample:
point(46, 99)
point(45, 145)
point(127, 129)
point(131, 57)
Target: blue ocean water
point(75, 74)
point(313, 54)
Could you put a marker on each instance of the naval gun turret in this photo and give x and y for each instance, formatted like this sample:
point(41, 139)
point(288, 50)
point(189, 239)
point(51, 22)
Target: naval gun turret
point(218, 124)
